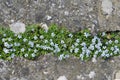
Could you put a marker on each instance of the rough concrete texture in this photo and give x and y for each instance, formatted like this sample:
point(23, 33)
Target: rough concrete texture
point(50, 68)
point(103, 15)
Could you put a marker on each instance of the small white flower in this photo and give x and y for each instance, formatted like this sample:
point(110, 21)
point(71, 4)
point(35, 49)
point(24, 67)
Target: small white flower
point(91, 47)
point(76, 44)
point(9, 39)
point(83, 44)
point(29, 49)
point(33, 55)
point(110, 41)
point(51, 43)
point(106, 43)
point(12, 55)
point(6, 44)
point(35, 50)
point(64, 45)
point(116, 41)
point(86, 34)
point(3, 39)
point(35, 37)
point(66, 56)
point(37, 45)
point(45, 41)
point(77, 40)
point(4, 35)
point(103, 33)
point(16, 44)
point(19, 36)
point(76, 50)
point(26, 55)
point(61, 57)
point(31, 43)
point(70, 35)
point(33, 29)
point(6, 50)
point(22, 50)
point(71, 50)
point(62, 42)
point(104, 47)
point(96, 52)
point(112, 48)
point(24, 40)
point(82, 57)
point(41, 37)
point(52, 34)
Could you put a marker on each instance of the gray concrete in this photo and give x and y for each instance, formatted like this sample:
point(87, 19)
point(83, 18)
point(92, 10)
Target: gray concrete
point(103, 15)
point(50, 68)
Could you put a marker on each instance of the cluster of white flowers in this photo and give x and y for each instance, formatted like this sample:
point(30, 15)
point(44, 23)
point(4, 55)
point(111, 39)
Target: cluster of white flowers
point(84, 49)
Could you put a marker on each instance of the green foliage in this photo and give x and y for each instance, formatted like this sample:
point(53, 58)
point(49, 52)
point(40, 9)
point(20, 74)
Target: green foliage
point(58, 41)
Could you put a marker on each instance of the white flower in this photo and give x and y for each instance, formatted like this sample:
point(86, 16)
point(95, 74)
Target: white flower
point(83, 44)
point(82, 57)
point(103, 54)
point(104, 47)
point(53, 34)
point(32, 29)
point(64, 45)
point(9, 39)
point(76, 50)
point(61, 57)
point(31, 43)
point(12, 55)
point(51, 40)
point(22, 50)
point(4, 35)
point(77, 40)
point(112, 48)
point(116, 41)
point(96, 52)
point(106, 43)
point(86, 34)
point(103, 33)
point(37, 45)
point(45, 41)
point(66, 56)
point(110, 41)
point(88, 51)
point(97, 46)
point(29, 49)
point(6, 44)
point(71, 50)
point(70, 35)
point(26, 55)
point(107, 55)
point(33, 55)
point(62, 42)
point(41, 37)
point(35, 50)
point(51, 43)
point(24, 40)
point(16, 44)
point(19, 36)
point(91, 47)
point(3, 39)
point(35, 37)
point(76, 44)
point(6, 50)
